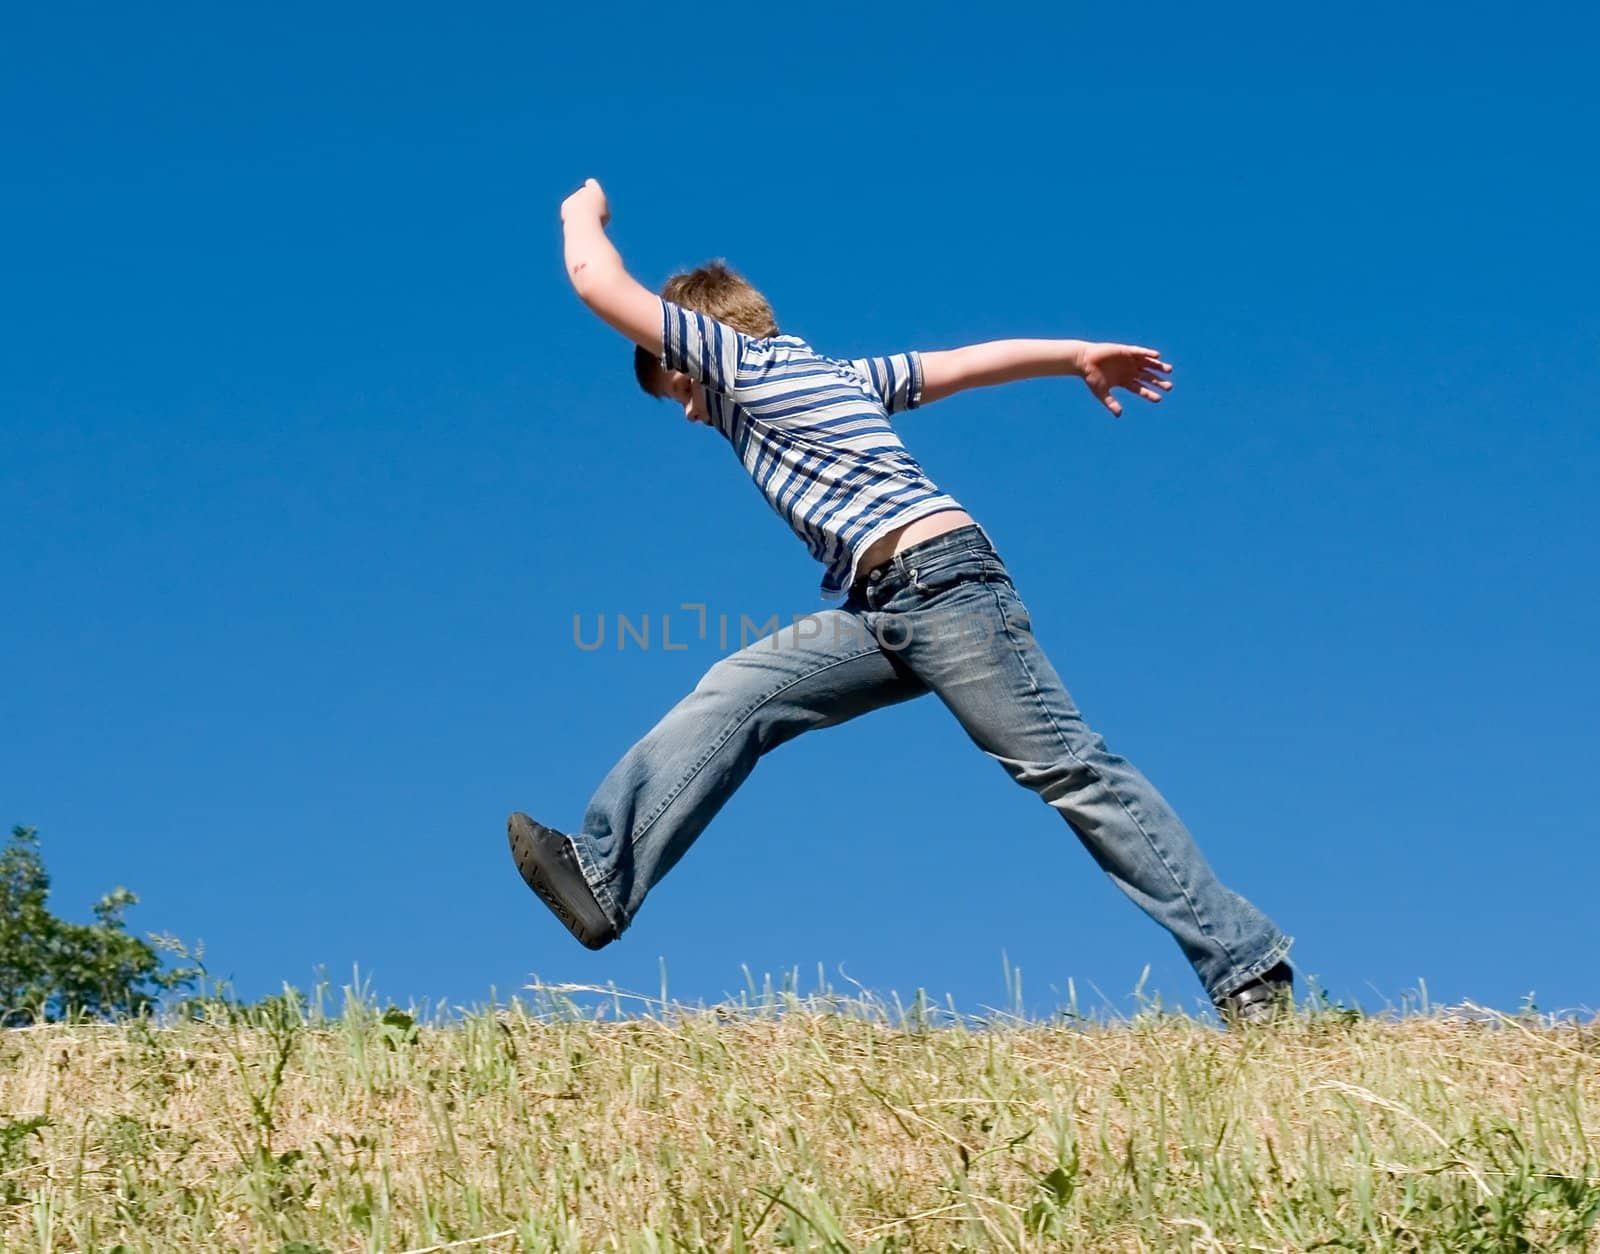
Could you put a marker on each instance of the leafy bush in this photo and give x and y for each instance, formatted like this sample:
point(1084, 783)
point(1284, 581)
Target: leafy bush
point(53, 969)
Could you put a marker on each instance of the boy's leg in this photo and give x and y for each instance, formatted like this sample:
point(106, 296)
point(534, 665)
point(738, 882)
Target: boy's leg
point(968, 636)
point(823, 670)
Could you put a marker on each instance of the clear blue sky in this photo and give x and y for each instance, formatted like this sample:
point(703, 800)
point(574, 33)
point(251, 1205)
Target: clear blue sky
point(309, 457)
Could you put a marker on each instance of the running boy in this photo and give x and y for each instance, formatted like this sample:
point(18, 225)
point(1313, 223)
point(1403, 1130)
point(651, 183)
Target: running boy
point(928, 607)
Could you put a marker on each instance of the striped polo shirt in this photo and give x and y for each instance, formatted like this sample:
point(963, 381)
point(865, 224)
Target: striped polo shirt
point(812, 432)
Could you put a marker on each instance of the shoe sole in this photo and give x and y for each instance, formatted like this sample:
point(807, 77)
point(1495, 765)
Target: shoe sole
point(530, 849)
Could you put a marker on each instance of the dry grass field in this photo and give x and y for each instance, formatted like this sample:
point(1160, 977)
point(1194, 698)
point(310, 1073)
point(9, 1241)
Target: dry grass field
point(794, 1124)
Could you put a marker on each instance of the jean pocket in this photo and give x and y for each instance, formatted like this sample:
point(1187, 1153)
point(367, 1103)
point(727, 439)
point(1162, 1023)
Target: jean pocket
point(1012, 609)
point(1015, 612)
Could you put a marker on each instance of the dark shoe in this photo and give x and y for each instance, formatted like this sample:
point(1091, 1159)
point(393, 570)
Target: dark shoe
point(1267, 997)
point(549, 864)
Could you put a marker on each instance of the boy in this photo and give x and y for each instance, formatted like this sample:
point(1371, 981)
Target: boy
point(928, 606)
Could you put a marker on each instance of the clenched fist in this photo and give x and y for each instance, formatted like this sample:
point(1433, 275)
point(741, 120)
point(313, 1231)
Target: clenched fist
point(588, 201)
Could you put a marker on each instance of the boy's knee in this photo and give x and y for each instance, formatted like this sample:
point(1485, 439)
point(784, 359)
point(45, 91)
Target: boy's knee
point(727, 683)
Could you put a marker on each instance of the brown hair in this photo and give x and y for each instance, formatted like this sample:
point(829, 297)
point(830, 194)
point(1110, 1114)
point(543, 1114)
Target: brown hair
point(719, 291)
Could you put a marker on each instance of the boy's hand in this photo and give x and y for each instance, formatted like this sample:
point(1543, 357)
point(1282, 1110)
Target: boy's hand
point(588, 201)
point(1127, 366)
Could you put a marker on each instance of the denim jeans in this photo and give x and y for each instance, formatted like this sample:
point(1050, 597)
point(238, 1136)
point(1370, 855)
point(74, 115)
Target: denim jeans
point(942, 617)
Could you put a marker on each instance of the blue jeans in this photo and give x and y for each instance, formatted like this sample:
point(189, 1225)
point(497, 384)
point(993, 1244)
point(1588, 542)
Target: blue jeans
point(944, 617)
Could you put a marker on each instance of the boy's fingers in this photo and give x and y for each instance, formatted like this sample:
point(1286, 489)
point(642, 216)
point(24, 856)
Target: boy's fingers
point(1140, 388)
point(1139, 359)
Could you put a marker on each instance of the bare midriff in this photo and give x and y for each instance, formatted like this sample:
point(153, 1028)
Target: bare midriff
point(915, 532)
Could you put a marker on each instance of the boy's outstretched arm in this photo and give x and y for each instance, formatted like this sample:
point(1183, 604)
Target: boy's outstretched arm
point(1101, 366)
point(598, 275)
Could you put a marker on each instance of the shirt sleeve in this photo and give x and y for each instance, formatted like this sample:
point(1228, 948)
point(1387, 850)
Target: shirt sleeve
point(706, 350)
point(897, 379)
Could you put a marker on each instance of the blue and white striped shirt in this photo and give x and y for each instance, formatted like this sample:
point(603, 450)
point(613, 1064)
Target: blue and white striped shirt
point(812, 432)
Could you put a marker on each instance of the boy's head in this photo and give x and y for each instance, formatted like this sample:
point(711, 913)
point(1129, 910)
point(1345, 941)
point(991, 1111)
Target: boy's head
point(718, 292)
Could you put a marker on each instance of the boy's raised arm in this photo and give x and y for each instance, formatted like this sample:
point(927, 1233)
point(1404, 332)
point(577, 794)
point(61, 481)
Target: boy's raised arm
point(1101, 366)
point(598, 275)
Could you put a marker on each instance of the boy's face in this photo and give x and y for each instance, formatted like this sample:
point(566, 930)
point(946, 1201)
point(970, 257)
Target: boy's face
point(674, 385)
